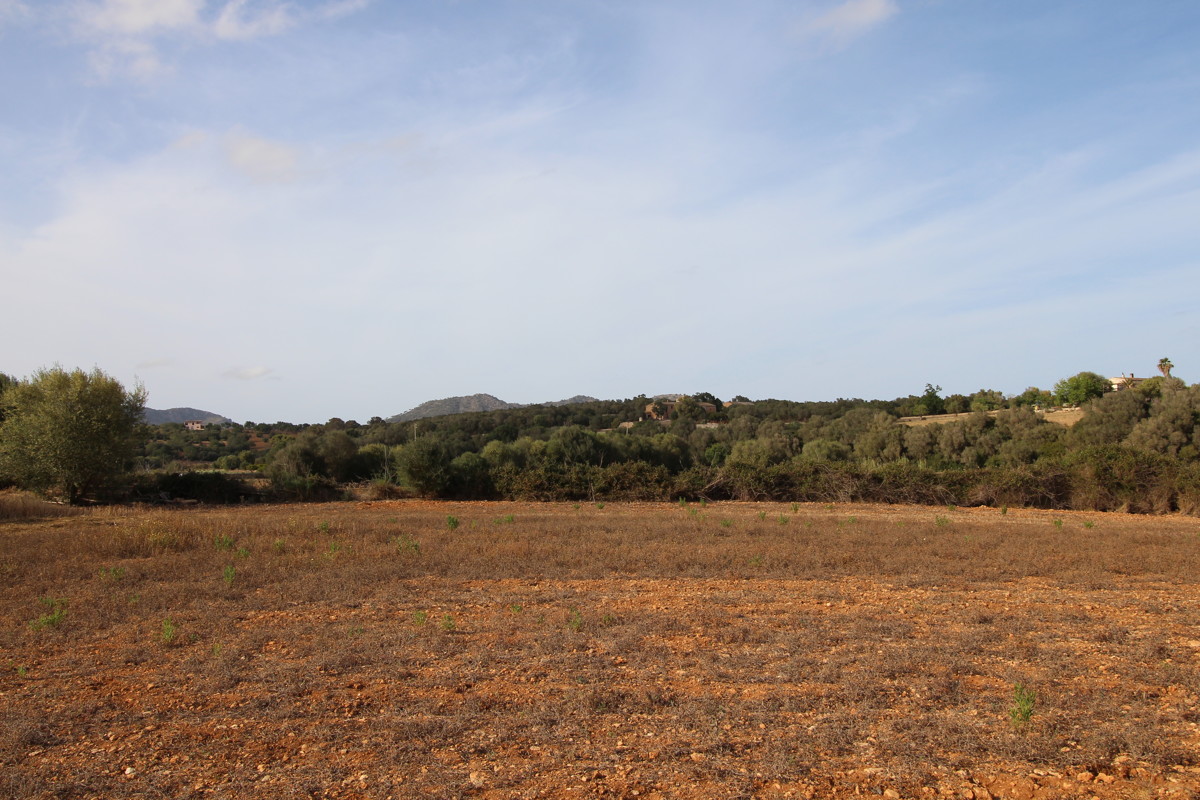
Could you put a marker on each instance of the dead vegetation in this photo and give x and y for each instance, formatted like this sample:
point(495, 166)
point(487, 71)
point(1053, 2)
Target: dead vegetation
point(401, 649)
point(16, 505)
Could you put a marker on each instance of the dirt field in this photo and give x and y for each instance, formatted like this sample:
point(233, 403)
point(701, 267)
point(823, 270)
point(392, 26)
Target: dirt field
point(502, 650)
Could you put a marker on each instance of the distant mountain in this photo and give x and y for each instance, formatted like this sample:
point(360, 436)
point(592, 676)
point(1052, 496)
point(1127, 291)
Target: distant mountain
point(471, 403)
point(155, 417)
point(452, 405)
point(570, 401)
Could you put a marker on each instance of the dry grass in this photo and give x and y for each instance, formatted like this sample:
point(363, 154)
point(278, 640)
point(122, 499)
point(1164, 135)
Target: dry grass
point(1060, 416)
point(730, 650)
point(15, 505)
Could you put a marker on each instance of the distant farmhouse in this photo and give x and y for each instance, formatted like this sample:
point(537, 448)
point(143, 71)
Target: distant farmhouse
point(1129, 382)
point(1125, 382)
point(194, 425)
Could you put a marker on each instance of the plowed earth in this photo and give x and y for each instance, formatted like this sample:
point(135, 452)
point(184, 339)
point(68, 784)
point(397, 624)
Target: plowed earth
point(409, 649)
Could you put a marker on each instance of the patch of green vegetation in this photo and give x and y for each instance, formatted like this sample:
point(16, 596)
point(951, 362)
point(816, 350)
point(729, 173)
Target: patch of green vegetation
point(112, 574)
point(52, 618)
point(406, 544)
point(1021, 710)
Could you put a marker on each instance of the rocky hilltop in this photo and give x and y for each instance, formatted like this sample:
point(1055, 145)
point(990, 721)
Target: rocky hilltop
point(471, 403)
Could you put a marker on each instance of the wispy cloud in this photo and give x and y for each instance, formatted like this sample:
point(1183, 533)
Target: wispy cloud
point(126, 34)
point(13, 12)
point(137, 58)
point(248, 373)
point(260, 159)
point(235, 22)
point(851, 19)
point(341, 8)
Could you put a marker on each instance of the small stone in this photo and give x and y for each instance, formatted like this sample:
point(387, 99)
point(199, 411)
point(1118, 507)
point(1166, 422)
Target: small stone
point(697, 757)
point(129, 771)
point(477, 779)
point(1084, 777)
point(1104, 777)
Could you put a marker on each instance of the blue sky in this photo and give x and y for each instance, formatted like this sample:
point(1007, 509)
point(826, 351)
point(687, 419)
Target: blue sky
point(317, 208)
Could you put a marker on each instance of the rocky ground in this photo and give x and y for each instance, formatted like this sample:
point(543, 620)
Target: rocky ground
point(382, 650)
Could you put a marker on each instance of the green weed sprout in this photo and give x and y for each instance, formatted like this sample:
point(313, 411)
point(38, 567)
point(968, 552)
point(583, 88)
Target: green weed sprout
point(1021, 710)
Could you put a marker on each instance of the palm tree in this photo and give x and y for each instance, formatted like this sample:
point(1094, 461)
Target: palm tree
point(1164, 366)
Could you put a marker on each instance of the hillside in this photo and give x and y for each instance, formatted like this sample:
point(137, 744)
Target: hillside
point(180, 415)
point(471, 403)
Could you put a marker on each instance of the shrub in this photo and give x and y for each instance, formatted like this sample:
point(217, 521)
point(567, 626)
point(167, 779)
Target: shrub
point(207, 487)
point(1117, 478)
point(306, 488)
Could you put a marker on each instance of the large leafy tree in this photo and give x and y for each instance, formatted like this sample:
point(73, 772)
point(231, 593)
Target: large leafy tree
point(68, 433)
point(1080, 388)
point(930, 403)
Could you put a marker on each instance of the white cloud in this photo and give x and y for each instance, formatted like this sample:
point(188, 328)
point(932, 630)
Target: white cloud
point(138, 17)
point(851, 19)
point(234, 23)
point(261, 159)
point(123, 33)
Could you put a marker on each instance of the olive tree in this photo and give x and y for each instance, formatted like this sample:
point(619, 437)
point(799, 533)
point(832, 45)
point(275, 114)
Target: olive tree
point(68, 433)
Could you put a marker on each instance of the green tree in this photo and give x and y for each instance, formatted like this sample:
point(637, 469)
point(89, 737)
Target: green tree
point(987, 400)
point(1033, 396)
point(930, 403)
point(1109, 420)
point(957, 404)
point(1080, 388)
point(825, 450)
point(425, 463)
point(68, 433)
point(1165, 366)
point(5, 382)
point(689, 408)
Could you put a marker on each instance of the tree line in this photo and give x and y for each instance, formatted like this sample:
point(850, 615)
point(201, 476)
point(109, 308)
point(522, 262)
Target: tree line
point(1136, 449)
